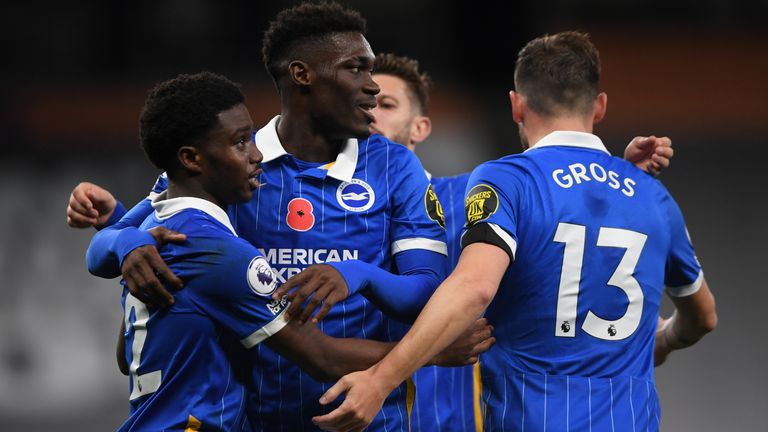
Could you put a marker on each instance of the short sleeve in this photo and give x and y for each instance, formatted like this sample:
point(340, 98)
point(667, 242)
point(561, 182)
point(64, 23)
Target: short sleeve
point(491, 206)
point(683, 275)
point(417, 220)
point(236, 292)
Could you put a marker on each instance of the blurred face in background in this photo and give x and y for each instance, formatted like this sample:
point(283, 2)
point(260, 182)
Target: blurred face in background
point(396, 115)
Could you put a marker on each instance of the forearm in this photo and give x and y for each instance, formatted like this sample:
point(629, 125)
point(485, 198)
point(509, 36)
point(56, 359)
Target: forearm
point(399, 296)
point(448, 313)
point(323, 357)
point(693, 318)
point(110, 245)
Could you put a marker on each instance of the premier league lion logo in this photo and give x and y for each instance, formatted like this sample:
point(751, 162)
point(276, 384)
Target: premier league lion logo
point(260, 277)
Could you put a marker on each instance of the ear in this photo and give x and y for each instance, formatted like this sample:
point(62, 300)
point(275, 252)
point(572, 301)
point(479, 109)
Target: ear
point(518, 106)
point(190, 159)
point(601, 104)
point(300, 72)
point(421, 127)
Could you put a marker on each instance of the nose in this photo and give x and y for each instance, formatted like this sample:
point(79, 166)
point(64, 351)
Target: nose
point(371, 87)
point(254, 155)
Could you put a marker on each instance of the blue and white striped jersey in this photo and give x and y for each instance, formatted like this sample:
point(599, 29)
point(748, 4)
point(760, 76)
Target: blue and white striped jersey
point(371, 203)
point(594, 242)
point(447, 399)
point(187, 366)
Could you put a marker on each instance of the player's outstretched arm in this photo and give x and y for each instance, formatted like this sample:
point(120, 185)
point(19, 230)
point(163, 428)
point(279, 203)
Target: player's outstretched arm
point(327, 358)
point(693, 318)
point(399, 296)
point(91, 205)
point(457, 302)
point(651, 154)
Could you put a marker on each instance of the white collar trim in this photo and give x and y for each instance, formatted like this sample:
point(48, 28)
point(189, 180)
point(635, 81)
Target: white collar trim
point(270, 147)
point(167, 207)
point(571, 139)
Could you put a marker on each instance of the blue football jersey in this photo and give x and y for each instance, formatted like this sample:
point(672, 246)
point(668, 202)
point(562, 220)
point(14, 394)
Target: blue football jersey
point(372, 202)
point(594, 241)
point(447, 399)
point(187, 362)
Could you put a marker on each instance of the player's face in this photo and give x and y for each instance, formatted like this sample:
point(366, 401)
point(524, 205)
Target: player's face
point(344, 93)
point(231, 159)
point(394, 113)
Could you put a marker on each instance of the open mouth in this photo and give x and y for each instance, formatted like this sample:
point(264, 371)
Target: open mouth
point(253, 179)
point(367, 111)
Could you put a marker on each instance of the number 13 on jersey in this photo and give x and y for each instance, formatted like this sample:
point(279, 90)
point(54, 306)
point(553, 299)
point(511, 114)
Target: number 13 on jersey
point(573, 236)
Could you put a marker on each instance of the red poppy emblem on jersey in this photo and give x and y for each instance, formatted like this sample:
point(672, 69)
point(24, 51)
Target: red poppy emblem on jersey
point(300, 216)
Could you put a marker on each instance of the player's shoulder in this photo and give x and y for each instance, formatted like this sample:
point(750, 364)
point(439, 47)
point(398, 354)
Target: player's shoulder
point(380, 146)
point(505, 166)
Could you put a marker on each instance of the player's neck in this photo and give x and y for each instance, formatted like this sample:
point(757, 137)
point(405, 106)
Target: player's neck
point(192, 189)
point(300, 137)
point(538, 127)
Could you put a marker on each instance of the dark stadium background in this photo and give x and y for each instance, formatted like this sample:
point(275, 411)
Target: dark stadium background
point(75, 75)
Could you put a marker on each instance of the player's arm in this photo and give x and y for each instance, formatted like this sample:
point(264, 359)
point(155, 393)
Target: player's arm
point(122, 363)
point(399, 296)
point(651, 154)
point(693, 318)
point(459, 300)
point(694, 314)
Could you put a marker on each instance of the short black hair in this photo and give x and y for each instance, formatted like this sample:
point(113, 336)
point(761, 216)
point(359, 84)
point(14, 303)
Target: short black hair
point(182, 111)
point(307, 22)
point(559, 72)
point(407, 69)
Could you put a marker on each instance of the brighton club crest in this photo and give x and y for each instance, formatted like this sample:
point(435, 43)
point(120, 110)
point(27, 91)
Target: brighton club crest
point(355, 195)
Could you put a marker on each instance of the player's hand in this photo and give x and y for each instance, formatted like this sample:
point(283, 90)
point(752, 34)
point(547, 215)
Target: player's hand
point(465, 350)
point(143, 269)
point(660, 348)
point(650, 154)
point(89, 205)
point(321, 283)
point(364, 398)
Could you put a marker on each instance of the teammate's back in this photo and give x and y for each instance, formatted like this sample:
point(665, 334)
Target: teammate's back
point(597, 240)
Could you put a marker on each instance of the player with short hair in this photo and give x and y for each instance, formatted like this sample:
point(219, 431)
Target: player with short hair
point(334, 195)
point(449, 398)
point(569, 249)
point(187, 361)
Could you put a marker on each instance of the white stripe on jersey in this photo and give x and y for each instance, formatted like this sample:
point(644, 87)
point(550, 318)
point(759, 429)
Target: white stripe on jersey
point(686, 290)
point(506, 237)
point(610, 381)
point(268, 330)
point(419, 243)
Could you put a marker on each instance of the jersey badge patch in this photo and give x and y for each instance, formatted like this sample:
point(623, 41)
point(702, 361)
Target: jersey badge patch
point(482, 201)
point(355, 195)
point(300, 215)
point(433, 207)
point(260, 277)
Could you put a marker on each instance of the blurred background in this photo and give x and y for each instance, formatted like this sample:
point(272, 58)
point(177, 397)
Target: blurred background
point(76, 74)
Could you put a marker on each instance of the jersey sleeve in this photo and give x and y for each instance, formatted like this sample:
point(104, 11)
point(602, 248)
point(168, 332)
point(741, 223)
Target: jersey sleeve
point(237, 293)
point(417, 216)
point(682, 275)
point(491, 207)
point(111, 244)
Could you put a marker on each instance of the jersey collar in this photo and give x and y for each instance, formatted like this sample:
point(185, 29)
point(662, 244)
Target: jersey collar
point(270, 147)
point(167, 207)
point(571, 139)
